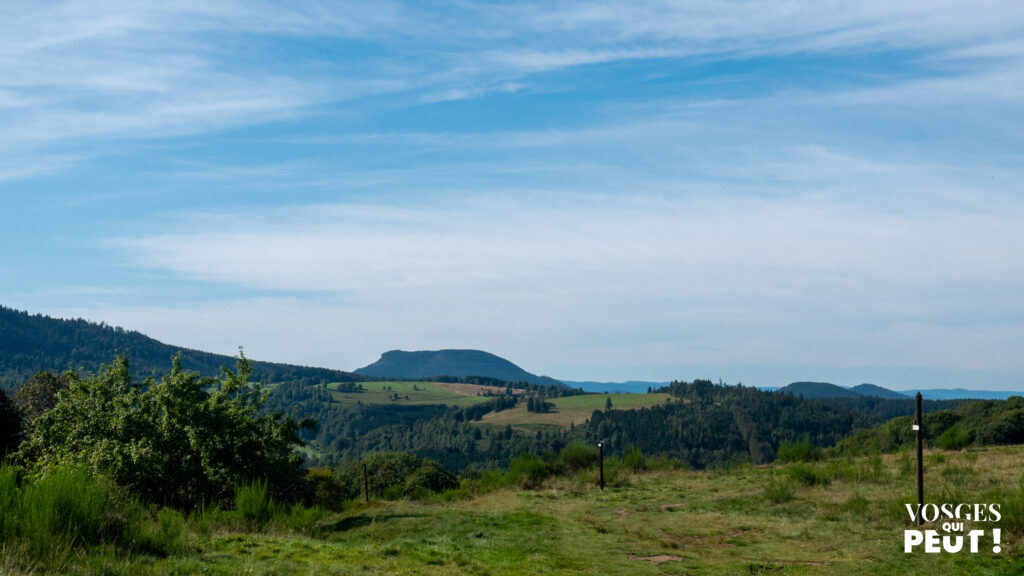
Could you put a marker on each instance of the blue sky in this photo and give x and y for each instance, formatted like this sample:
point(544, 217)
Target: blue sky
point(757, 192)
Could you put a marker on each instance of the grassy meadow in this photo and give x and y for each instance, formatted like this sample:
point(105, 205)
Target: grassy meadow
point(840, 516)
point(409, 393)
point(569, 410)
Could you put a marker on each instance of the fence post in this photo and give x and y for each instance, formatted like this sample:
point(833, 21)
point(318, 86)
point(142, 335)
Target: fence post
point(919, 429)
point(600, 463)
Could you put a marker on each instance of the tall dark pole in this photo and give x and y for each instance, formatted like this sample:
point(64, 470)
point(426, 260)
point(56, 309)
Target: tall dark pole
point(600, 462)
point(919, 428)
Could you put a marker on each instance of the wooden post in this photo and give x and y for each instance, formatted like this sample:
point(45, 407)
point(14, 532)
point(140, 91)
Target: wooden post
point(919, 429)
point(366, 484)
point(600, 463)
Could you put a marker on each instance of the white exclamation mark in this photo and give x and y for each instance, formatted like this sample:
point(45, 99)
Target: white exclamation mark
point(995, 540)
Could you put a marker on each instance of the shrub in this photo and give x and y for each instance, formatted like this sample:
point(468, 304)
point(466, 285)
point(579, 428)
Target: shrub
point(954, 438)
point(430, 477)
point(634, 460)
point(779, 491)
point(578, 456)
point(800, 451)
point(808, 475)
point(182, 440)
point(324, 491)
point(394, 475)
point(63, 507)
point(253, 503)
point(529, 471)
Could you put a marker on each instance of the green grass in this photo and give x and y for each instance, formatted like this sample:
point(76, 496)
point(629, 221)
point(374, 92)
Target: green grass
point(409, 393)
point(744, 520)
point(569, 410)
point(593, 402)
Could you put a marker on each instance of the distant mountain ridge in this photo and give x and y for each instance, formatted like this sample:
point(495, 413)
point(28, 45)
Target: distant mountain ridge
point(30, 343)
point(459, 363)
point(628, 387)
point(827, 390)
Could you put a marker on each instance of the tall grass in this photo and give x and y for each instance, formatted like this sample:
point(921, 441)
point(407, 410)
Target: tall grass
point(799, 451)
point(63, 507)
point(253, 503)
point(8, 501)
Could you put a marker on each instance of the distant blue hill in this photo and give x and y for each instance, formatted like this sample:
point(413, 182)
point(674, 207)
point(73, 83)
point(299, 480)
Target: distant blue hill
point(629, 387)
point(819, 390)
point(878, 391)
point(826, 390)
point(962, 394)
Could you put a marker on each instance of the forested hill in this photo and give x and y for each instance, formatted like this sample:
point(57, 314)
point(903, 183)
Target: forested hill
point(459, 363)
point(826, 390)
point(30, 343)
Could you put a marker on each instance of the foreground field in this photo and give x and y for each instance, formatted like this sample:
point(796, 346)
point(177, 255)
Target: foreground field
point(836, 517)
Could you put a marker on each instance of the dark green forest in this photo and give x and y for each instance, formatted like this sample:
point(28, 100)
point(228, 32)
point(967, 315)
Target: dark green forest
point(703, 425)
point(33, 343)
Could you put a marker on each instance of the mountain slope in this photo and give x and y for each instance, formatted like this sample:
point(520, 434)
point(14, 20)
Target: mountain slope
point(826, 390)
point(818, 390)
point(459, 363)
point(878, 391)
point(30, 343)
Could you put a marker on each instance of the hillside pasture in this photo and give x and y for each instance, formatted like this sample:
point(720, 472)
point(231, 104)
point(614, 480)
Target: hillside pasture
point(465, 389)
point(569, 410)
point(408, 393)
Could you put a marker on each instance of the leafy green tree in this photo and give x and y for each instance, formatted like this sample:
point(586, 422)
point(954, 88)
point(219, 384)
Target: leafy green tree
point(182, 440)
point(39, 395)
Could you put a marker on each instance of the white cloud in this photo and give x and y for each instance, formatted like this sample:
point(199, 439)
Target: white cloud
point(710, 280)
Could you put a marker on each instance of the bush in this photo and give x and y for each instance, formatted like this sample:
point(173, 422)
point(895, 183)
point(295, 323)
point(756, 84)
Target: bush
point(253, 503)
point(324, 491)
point(578, 456)
point(529, 471)
point(779, 491)
point(954, 438)
point(800, 451)
point(394, 475)
point(634, 460)
point(808, 475)
point(183, 440)
point(430, 477)
point(64, 506)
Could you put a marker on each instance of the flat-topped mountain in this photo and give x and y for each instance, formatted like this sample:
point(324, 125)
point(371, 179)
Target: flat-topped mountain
point(458, 363)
